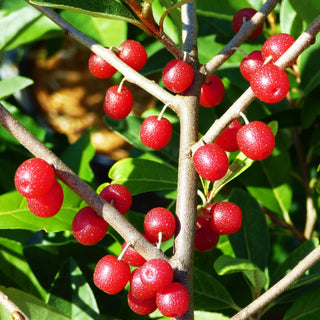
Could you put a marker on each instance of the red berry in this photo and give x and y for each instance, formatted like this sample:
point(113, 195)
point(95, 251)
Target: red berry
point(111, 275)
point(133, 54)
point(212, 92)
point(142, 307)
point(88, 227)
point(118, 104)
point(34, 178)
point(100, 68)
point(132, 257)
point(228, 138)
point(242, 16)
point(276, 46)
point(226, 218)
point(156, 274)
point(139, 289)
point(256, 140)
point(49, 204)
point(177, 76)
point(159, 220)
point(211, 162)
point(119, 196)
point(205, 238)
point(173, 301)
point(155, 133)
point(270, 83)
point(251, 64)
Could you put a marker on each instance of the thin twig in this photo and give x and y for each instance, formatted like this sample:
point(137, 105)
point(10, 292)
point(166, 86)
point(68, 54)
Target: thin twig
point(11, 307)
point(262, 301)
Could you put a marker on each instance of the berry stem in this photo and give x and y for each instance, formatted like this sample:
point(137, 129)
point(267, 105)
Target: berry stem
point(124, 251)
point(162, 111)
point(240, 50)
point(159, 240)
point(121, 85)
point(244, 117)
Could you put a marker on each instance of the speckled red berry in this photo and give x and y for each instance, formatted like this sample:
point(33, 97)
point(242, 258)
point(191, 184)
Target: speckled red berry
point(155, 133)
point(177, 76)
point(173, 301)
point(211, 162)
point(228, 138)
point(139, 289)
point(133, 54)
point(111, 274)
point(226, 218)
point(118, 102)
point(132, 257)
point(100, 68)
point(212, 92)
point(142, 307)
point(118, 195)
point(34, 178)
point(48, 205)
point(88, 227)
point(270, 83)
point(251, 64)
point(242, 16)
point(256, 140)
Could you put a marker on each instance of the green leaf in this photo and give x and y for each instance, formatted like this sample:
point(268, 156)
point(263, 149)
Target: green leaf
point(105, 31)
point(12, 85)
point(308, 10)
point(72, 295)
point(14, 213)
point(306, 308)
point(140, 175)
point(227, 265)
point(15, 271)
point(78, 156)
point(202, 315)
point(35, 308)
point(110, 9)
point(209, 293)
point(252, 240)
point(290, 22)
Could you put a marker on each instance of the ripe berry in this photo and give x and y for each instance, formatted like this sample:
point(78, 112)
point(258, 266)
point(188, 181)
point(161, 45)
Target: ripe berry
point(226, 218)
point(119, 196)
point(88, 227)
point(212, 92)
point(251, 64)
point(133, 54)
point(155, 133)
point(118, 104)
point(228, 138)
point(142, 307)
point(34, 178)
point(177, 76)
point(241, 17)
point(49, 204)
point(173, 301)
point(139, 289)
point(132, 257)
point(100, 68)
point(276, 46)
point(156, 274)
point(211, 162)
point(256, 140)
point(159, 220)
point(205, 238)
point(270, 83)
point(111, 275)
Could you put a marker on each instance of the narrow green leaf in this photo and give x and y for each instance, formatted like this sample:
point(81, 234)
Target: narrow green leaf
point(202, 315)
point(71, 294)
point(209, 293)
point(78, 156)
point(12, 85)
point(289, 19)
point(110, 9)
point(141, 175)
point(307, 10)
point(252, 240)
point(35, 308)
point(14, 213)
point(306, 308)
point(15, 270)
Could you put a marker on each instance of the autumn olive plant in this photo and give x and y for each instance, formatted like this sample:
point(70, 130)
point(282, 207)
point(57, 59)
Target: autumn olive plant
point(230, 151)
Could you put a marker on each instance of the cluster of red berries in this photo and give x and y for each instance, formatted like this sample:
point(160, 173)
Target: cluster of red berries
point(88, 227)
point(269, 82)
point(35, 180)
point(216, 219)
